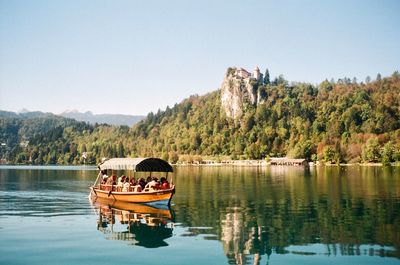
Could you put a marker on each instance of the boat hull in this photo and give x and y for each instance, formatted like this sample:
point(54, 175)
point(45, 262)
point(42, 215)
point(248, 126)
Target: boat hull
point(146, 209)
point(151, 197)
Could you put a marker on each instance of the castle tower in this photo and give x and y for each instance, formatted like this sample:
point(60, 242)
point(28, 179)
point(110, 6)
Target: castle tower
point(256, 73)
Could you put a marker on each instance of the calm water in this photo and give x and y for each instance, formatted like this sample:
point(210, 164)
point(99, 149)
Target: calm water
point(278, 215)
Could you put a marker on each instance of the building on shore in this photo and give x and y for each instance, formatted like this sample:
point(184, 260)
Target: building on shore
point(274, 161)
point(283, 161)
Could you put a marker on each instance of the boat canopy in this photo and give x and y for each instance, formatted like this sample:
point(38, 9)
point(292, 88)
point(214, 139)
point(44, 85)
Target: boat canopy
point(137, 164)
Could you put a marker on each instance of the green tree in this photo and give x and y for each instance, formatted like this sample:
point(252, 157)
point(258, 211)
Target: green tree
point(314, 158)
point(164, 156)
point(301, 150)
point(34, 155)
point(239, 147)
point(387, 153)
point(52, 158)
point(120, 150)
point(252, 151)
point(82, 148)
point(248, 122)
point(173, 157)
point(329, 155)
point(266, 77)
point(90, 158)
point(371, 151)
point(22, 158)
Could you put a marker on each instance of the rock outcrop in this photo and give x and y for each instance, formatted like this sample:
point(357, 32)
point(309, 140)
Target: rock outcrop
point(239, 90)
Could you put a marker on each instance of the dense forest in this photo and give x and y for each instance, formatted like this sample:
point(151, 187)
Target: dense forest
point(343, 121)
point(336, 121)
point(43, 138)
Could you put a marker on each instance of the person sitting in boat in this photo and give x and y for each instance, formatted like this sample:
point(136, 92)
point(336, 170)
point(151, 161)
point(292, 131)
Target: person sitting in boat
point(121, 181)
point(133, 182)
point(164, 183)
point(142, 183)
point(126, 186)
point(135, 185)
point(104, 177)
point(152, 184)
point(110, 182)
point(158, 184)
point(137, 188)
point(148, 180)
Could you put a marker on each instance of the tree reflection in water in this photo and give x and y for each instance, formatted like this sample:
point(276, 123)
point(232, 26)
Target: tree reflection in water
point(327, 210)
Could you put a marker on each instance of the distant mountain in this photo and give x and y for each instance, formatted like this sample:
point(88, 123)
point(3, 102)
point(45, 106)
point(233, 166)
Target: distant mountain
point(112, 119)
point(25, 114)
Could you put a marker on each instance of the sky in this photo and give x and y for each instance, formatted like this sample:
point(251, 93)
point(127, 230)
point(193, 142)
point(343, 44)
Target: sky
point(133, 57)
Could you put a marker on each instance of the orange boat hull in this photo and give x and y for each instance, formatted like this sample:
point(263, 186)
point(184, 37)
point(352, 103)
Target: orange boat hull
point(158, 196)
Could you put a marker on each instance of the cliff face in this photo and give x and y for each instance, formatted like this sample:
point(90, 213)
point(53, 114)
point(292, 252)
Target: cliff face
point(239, 90)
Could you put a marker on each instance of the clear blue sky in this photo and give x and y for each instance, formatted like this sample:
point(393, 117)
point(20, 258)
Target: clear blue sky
point(133, 57)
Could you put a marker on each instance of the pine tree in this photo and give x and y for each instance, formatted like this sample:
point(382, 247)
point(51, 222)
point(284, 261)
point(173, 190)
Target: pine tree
point(120, 150)
point(266, 77)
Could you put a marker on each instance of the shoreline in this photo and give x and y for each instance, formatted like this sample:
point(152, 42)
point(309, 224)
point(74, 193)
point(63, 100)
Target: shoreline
point(263, 163)
point(231, 163)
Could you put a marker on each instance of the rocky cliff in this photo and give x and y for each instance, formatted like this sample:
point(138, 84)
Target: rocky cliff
point(239, 90)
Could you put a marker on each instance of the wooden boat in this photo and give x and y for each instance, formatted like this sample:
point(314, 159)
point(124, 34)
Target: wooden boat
point(150, 195)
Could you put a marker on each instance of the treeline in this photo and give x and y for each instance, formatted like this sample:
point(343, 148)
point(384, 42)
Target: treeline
point(39, 138)
point(342, 121)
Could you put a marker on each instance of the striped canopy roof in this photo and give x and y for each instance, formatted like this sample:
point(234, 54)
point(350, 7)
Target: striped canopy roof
point(137, 164)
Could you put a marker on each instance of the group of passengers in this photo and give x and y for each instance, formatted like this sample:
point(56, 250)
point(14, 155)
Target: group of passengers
point(125, 183)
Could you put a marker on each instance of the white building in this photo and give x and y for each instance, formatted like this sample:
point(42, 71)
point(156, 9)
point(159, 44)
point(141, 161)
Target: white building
point(256, 73)
point(242, 73)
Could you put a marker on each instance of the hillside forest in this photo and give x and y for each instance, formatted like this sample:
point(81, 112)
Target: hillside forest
point(341, 121)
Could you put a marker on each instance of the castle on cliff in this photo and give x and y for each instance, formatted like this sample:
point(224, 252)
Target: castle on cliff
point(243, 73)
point(239, 89)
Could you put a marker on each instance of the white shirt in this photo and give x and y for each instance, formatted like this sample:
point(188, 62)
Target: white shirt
point(126, 186)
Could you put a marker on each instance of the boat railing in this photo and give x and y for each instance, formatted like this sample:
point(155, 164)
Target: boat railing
point(118, 188)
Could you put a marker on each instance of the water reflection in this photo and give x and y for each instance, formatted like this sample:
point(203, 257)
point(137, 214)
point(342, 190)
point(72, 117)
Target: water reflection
point(38, 192)
point(245, 239)
point(251, 215)
point(141, 225)
point(323, 211)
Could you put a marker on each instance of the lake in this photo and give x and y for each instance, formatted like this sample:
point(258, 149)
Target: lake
point(219, 215)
